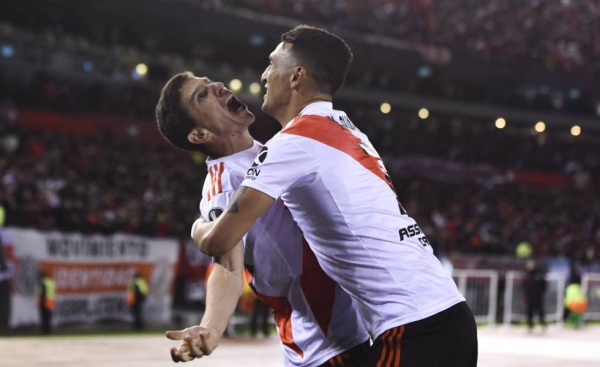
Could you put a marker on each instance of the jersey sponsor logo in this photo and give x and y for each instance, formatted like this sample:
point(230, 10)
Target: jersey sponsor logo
point(260, 158)
point(253, 172)
point(412, 231)
point(214, 213)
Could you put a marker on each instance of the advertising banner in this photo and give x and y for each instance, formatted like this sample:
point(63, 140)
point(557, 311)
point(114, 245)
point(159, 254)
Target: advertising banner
point(91, 273)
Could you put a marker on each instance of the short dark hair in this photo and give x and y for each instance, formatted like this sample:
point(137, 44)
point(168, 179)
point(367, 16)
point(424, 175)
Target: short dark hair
point(327, 56)
point(174, 123)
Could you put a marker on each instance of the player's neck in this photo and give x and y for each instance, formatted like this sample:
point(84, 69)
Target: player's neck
point(296, 105)
point(231, 144)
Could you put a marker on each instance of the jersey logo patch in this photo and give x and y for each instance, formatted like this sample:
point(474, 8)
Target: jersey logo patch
point(253, 172)
point(214, 213)
point(216, 186)
point(260, 158)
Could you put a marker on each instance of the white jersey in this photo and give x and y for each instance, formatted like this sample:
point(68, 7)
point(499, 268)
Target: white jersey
point(316, 319)
point(338, 191)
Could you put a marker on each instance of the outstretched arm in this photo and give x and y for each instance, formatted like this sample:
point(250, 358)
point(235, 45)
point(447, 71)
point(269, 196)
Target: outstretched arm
point(219, 237)
point(224, 288)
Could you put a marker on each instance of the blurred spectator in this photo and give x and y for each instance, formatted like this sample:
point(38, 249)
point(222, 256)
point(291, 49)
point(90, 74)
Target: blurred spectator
point(5, 289)
point(136, 296)
point(46, 301)
point(535, 287)
point(575, 302)
point(260, 315)
point(523, 250)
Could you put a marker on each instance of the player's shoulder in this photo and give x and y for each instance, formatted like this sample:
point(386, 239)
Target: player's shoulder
point(225, 175)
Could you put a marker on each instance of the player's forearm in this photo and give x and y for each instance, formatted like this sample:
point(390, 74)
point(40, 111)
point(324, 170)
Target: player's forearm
point(224, 288)
point(219, 237)
point(213, 239)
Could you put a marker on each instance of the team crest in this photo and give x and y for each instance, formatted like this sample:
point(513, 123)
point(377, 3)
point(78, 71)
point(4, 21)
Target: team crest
point(214, 213)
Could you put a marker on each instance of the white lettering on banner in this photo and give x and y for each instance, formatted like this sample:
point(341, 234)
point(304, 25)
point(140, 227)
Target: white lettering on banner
point(91, 274)
point(77, 247)
point(78, 309)
point(97, 278)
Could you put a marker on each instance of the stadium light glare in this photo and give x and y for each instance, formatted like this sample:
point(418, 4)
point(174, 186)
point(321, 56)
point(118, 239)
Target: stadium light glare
point(500, 123)
point(424, 71)
point(254, 88)
point(135, 76)
point(235, 85)
point(540, 127)
point(423, 113)
point(574, 93)
point(257, 40)
point(88, 66)
point(576, 130)
point(8, 51)
point(141, 69)
point(385, 108)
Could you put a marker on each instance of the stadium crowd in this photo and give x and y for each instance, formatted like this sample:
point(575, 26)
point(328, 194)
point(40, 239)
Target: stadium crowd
point(563, 35)
point(475, 141)
point(96, 184)
point(100, 184)
point(401, 133)
point(495, 219)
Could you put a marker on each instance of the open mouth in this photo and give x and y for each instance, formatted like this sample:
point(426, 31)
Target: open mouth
point(234, 105)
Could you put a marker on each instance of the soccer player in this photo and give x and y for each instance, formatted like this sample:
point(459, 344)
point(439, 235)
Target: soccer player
point(335, 184)
point(317, 322)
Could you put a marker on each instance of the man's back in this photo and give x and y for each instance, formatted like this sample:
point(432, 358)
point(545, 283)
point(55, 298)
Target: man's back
point(339, 193)
point(315, 317)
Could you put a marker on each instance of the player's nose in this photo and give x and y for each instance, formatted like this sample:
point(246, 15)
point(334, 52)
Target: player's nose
point(263, 77)
point(219, 88)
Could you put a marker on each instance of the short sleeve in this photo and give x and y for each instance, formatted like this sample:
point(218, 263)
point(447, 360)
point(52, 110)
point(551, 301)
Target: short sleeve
point(211, 209)
point(281, 164)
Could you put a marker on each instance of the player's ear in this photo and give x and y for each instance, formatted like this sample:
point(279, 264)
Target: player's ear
point(198, 136)
point(298, 74)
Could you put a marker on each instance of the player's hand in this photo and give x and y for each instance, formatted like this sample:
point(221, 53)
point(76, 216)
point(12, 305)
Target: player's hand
point(199, 341)
point(181, 354)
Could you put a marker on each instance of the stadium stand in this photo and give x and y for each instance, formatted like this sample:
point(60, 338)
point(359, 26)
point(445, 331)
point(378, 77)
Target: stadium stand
point(554, 35)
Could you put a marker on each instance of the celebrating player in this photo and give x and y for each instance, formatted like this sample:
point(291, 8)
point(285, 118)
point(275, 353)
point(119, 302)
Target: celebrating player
point(316, 320)
point(335, 184)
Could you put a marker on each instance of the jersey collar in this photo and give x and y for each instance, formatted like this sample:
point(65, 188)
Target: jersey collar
point(253, 150)
point(319, 108)
point(316, 107)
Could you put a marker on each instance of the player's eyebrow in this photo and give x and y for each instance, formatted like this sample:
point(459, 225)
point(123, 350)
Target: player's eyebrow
point(200, 88)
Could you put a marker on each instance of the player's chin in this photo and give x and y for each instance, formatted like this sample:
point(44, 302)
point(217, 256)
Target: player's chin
point(247, 117)
point(265, 107)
